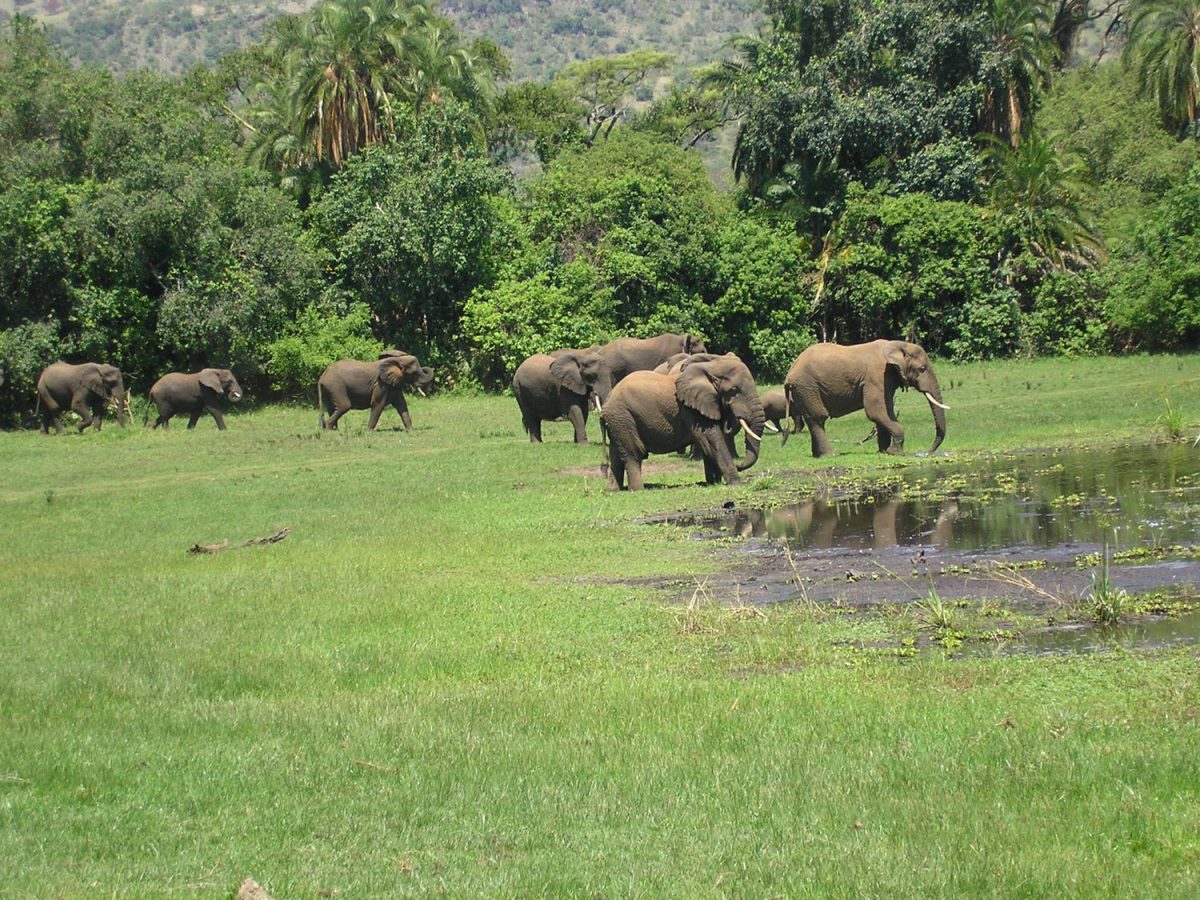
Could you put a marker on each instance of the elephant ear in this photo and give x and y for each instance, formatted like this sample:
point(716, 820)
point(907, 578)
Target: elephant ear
point(893, 355)
point(693, 344)
point(211, 379)
point(696, 390)
point(93, 380)
point(566, 371)
point(395, 371)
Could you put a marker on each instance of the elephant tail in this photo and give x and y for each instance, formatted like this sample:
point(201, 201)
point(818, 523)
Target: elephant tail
point(320, 408)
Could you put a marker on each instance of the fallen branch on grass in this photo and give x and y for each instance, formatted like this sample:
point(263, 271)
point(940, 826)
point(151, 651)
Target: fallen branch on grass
point(225, 545)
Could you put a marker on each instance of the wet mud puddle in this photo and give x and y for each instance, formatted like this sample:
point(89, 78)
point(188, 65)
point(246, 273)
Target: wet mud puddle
point(1030, 529)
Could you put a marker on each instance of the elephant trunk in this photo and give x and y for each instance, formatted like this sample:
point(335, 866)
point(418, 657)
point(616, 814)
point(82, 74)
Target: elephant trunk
point(754, 429)
point(938, 408)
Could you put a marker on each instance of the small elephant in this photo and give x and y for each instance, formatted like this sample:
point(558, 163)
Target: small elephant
point(775, 408)
point(595, 371)
point(356, 384)
point(831, 380)
point(542, 398)
point(703, 405)
point(195, 394)
point(86, 388)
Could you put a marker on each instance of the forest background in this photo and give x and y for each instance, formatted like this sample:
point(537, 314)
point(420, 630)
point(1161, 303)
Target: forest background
point(273, 186)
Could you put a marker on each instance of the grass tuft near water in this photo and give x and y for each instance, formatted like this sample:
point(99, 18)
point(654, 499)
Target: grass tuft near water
point(469, 670)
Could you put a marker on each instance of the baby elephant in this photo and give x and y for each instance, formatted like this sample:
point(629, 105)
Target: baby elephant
point(195, 394)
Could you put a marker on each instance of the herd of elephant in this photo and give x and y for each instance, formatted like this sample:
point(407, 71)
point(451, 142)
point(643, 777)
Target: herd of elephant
point(90, 388)
point(654, 395)
point(665, 394)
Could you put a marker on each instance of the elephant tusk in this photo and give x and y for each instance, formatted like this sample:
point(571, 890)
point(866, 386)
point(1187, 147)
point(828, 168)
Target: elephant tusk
point(770, 427)
point(421, 392)
point(746, 428)
point(599, 408)
point(929, 397)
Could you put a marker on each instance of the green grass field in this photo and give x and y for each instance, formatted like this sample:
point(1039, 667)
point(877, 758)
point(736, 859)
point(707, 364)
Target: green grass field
point(457, 676)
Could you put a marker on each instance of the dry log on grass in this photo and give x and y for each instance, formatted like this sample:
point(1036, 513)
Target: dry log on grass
point(225, 545)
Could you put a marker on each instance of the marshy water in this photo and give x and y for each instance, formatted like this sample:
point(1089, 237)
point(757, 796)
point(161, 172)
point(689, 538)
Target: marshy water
point(948, 527)
point(1127, 497)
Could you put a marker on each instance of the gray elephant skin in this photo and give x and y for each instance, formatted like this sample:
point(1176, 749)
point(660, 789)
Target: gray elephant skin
point(87, 388)
point(775, 408)
point(594, 372)
point(357, 384)
point(196, 393)
point(831, 380)
point(541, 398)
point(703, 405)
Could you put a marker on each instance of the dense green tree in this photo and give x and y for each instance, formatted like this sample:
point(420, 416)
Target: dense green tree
point(344, 70)
point(412, 227)
point(1036, 190)
point(1020, 52)
point(1164, 50)
point(861, 92)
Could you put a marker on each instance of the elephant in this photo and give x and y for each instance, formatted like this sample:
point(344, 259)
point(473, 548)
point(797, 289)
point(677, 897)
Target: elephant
point(703, 405)
point(594, 372)
point(831, 380)
point(195, 394)
point(775, 407)
point(356, 384)
point(86, 388)
point(542, 398)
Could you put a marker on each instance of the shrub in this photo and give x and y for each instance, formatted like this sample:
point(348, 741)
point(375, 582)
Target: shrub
point(24, 351)
point(317, 338)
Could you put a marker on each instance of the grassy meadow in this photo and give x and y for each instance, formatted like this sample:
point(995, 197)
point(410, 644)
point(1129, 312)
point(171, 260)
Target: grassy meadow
point(467, 671)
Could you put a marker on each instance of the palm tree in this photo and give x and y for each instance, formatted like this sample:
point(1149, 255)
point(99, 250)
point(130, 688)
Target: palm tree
point(1038, 192)
point(1164, 50)
point(1023, 50)
point(344, 70)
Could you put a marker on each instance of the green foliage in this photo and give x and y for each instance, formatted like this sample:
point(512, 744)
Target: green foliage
point(24, 351)
point(1066, 317)
point(522, 316)
point(1164, 51)
point(1154, 298)
point(315, 339)
point(413, 227)
point(1131, 160)
point(922, 269)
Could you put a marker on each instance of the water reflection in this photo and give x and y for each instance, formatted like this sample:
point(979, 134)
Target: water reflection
point(1128, 496)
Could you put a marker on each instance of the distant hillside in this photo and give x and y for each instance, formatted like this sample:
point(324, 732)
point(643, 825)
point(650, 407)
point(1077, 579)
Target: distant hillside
point(540, 36)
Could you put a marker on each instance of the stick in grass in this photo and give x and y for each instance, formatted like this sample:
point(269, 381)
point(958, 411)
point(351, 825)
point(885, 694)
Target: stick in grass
point(225, 545)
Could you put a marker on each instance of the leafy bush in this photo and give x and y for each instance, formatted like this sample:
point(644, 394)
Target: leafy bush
point(24, 352)
point(1066, 317)
point(1154, 300)
point(317, 338)
point(517, 318)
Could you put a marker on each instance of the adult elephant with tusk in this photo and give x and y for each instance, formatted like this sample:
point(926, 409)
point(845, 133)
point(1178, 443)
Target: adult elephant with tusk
point(831, 380)
point(194, 394)
point(594, 372)
point(704, 405)
point(357, 384)
point(87, 389)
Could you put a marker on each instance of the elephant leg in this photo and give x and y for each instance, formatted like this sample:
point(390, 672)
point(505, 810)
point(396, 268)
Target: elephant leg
point(216, 414)
point(194, 418)
point(889, 433)
point(401, 406)
point(616, 473)
point(80, 406)
point(338, 412)
point(534, 427)
point(820, 440)
point(633, 470)
point(577, 416)
point(161, 420)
